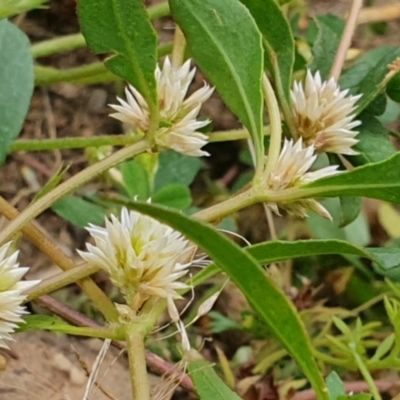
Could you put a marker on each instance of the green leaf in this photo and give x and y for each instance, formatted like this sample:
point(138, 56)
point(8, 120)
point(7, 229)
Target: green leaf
point(277, 39)
point(206, 381)
point(13, 7)
point(261, 292)
point(44, 322)
point(335, 386)
point(136, 180)
point(330, 29)
point(231, 58)
point(122, 27)
point(270, 252)
point(16, 77)
point(54, 324)
point(393, 88)
point(378, 181)
point(174, 167)
point(174, 195)
point(78, 211)
point(371, 86)
point(53, 182)
point(350, 209)
point(374, 142)
point(276, 251)
point(352, 77)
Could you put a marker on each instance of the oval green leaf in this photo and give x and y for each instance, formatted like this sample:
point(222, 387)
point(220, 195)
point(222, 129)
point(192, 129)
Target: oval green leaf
point(225, 42)
point(16, 77)
point(123, 27)
point(261, 292)
point(174, 195)
point(78, 211)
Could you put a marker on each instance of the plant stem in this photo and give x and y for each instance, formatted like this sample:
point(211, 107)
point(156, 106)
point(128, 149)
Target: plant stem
point(72, 143)
point(77, 41)
point(229, 206)
point(69, 186)
point(60, 280)
point(365, 373)
point(99, 298)
point(345, 42)
point(137, 364)
point(111, 140)
point(275, 126)
point(85, 74)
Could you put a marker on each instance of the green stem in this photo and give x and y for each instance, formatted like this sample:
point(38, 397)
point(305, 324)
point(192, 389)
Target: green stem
point(60, 280)
point(229, 206)
point(110, 140)
point(137, 364)
point(98, 332)
point(235, 134)
point(365, 373)
point(85, 74)
point(72, 143)
point(77, 41)
point(69, 186)
point(275, 126)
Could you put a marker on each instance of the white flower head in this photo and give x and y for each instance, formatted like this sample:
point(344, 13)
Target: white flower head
point(178, 123)
point(291, 170)
point(11, 293)
point(144, 258)
point(324, 115)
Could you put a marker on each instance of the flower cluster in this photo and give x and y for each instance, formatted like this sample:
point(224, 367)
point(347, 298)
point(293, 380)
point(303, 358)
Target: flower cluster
point(144, 258)
point(178, 116)
point(11, 293)
point(324, 115)
point(292, 169)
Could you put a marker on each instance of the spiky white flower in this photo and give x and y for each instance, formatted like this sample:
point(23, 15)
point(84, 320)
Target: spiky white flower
point(144, 258)
point(11, 293)
point(324, 115)
point(291, 170)
point(178, 123)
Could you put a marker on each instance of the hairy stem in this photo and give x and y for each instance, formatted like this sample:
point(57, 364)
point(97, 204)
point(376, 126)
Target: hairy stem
point(111, 140)
point(137, 364)
point(72, 143)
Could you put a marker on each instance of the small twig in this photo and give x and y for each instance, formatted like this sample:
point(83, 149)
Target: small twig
point(383, 385)
point(155, 363)
point(346, 39)
point(377, 14)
